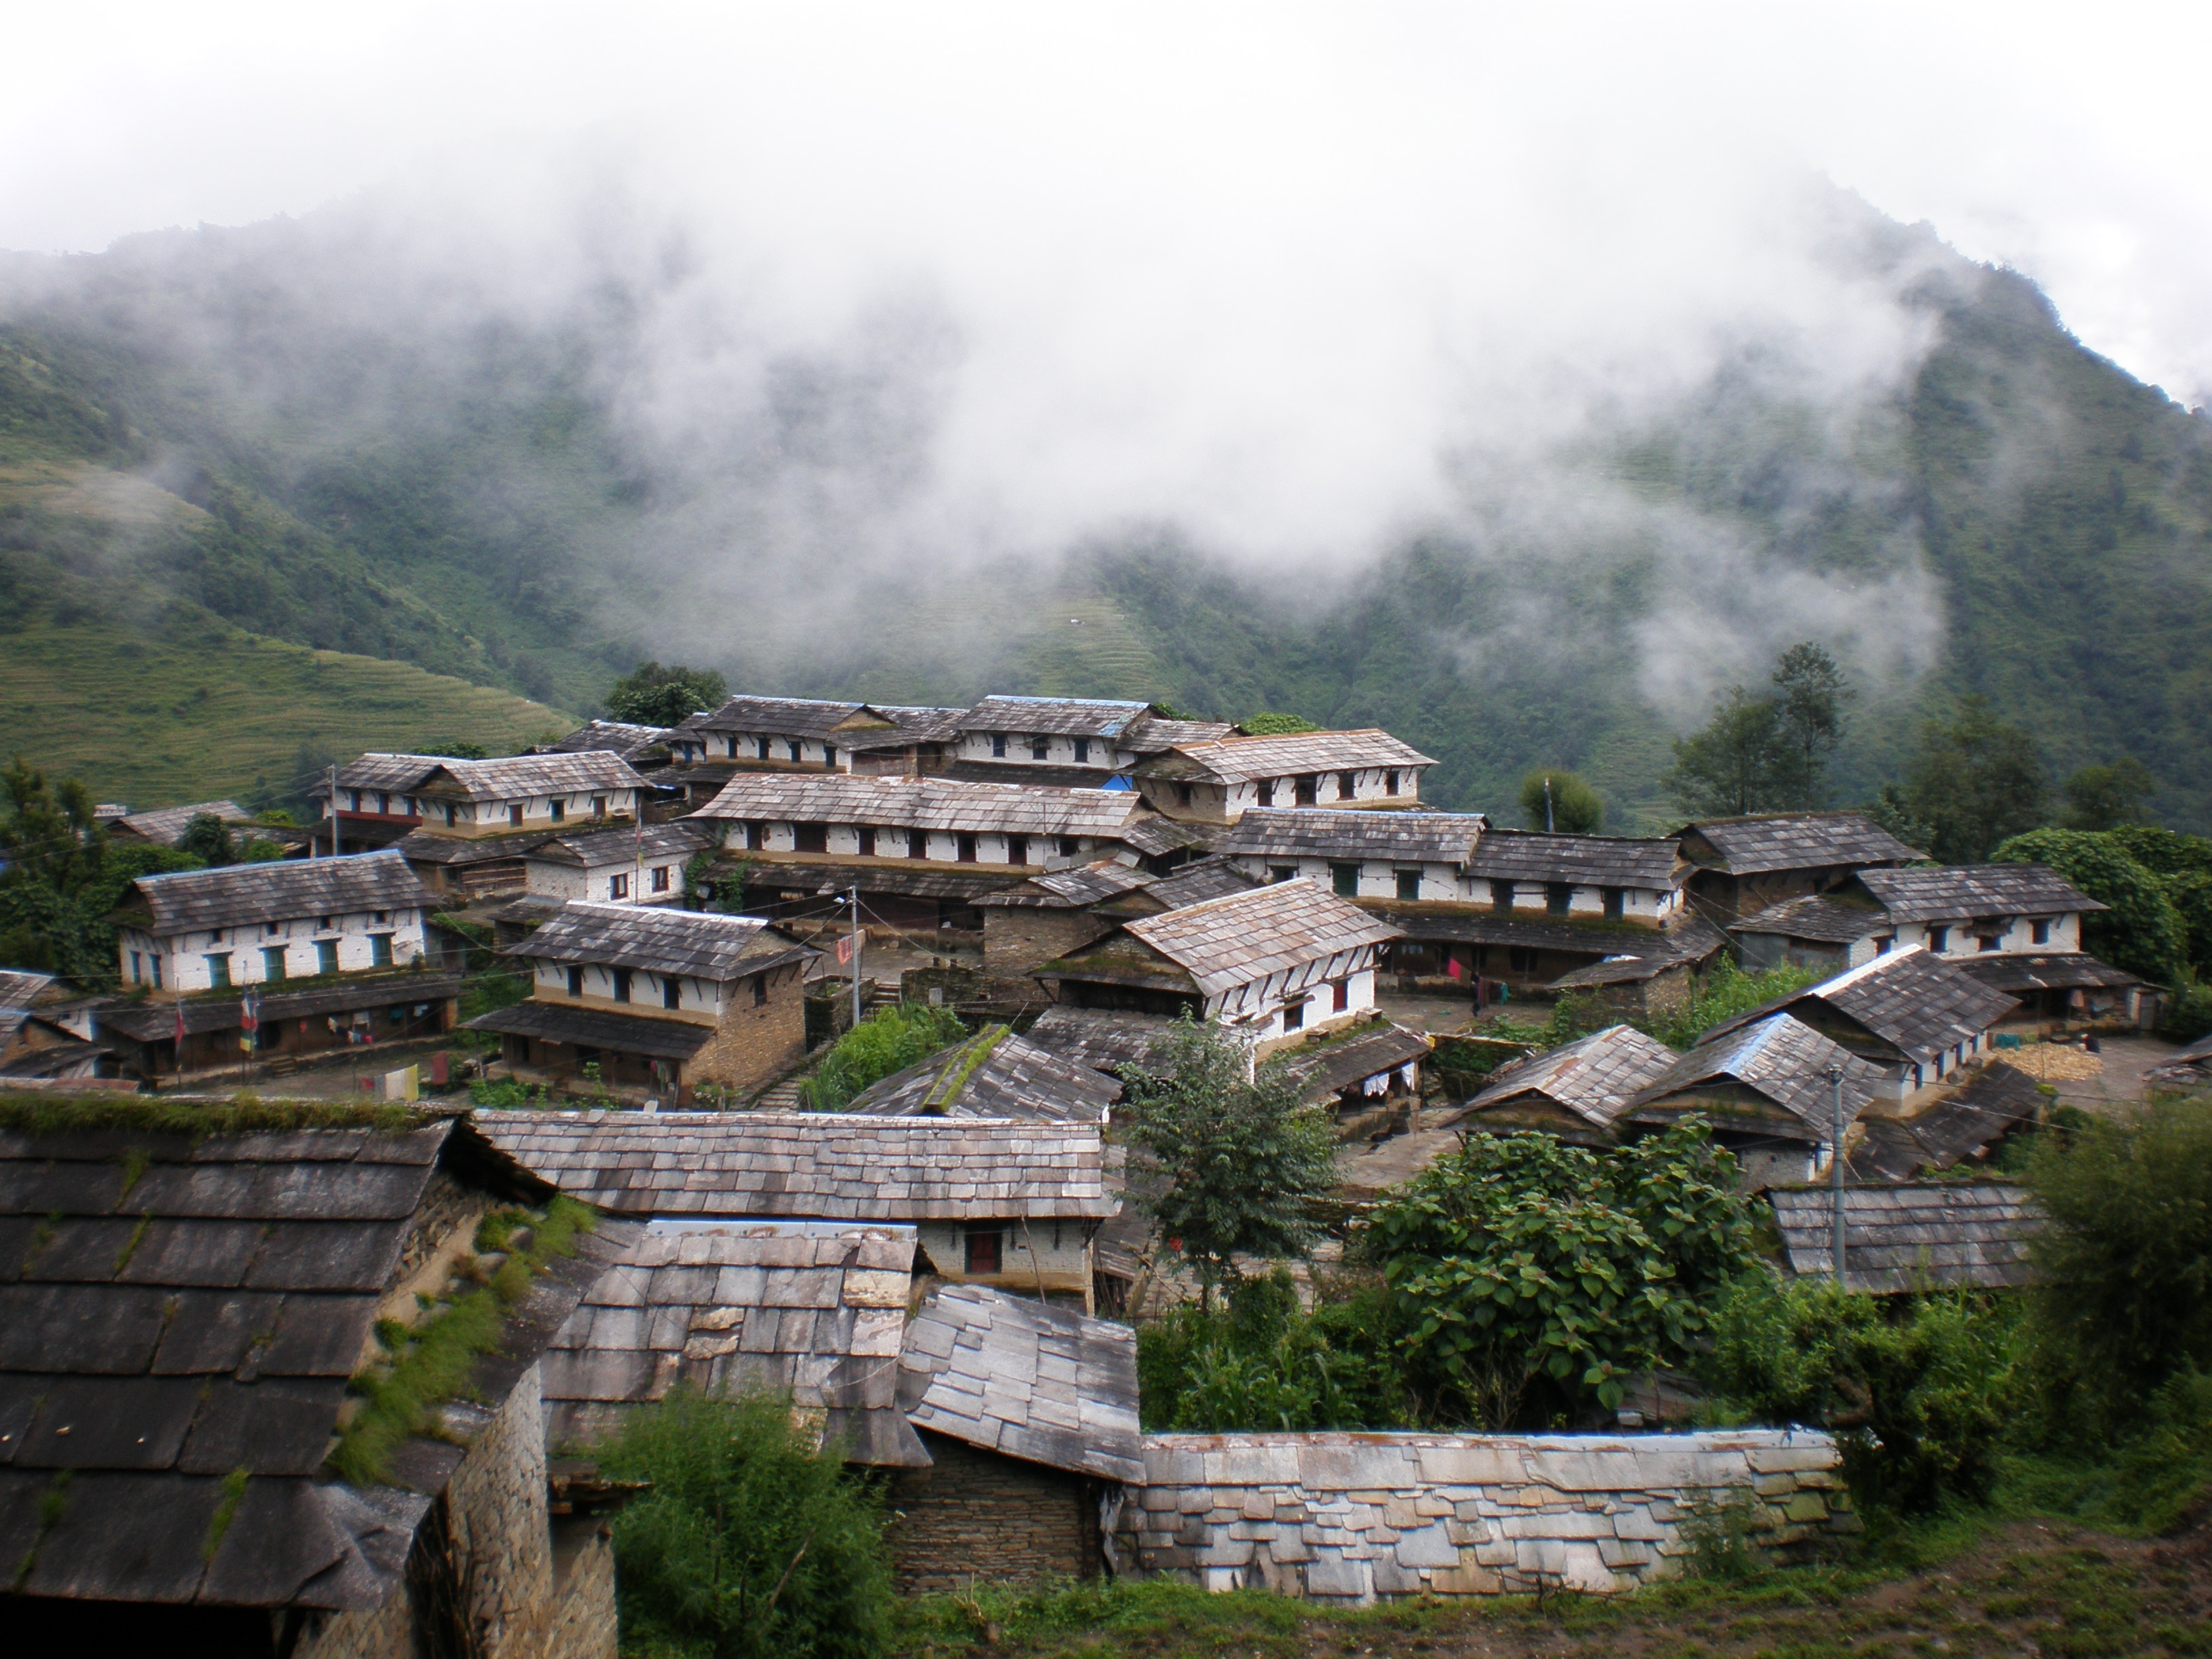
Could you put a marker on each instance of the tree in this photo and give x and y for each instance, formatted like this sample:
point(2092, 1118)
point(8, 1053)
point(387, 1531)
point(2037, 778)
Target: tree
point(664, 694)
point(53, 837)
point(2108, 795)
point(63, 877)
point(1239, 1157)
point(209, 839)
point(1975, 780)
point(455, 749)
point(1562, 802)
point(1267, 724)
point(2141, 930)
point(1739, 763)
point(889, 1040)
point(1814, 694)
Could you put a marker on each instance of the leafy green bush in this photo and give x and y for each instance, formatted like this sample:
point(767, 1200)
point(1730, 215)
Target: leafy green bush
point(1532, 1277)
point(752, 1542)
point(1918, 1389)
point(2141, 931)
point(1560, 801)
point(2187, 1014)
point(889, 1040)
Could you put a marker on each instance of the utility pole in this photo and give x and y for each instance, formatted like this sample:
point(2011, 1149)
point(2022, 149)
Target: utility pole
point(334, 815)
point(1547, 806)
point(1835, 1076)
point(856, 955)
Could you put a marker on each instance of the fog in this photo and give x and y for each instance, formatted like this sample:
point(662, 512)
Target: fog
point(878, 291)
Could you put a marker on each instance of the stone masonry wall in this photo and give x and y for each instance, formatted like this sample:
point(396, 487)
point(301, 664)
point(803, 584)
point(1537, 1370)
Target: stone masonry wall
point(1352, 1517)
point(980, 1514)
point(752, 1044)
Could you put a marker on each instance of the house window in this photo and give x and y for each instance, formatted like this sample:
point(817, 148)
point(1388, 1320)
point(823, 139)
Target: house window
point(515, 815)
point(809, 837)
point(1559, 898)
point(384, 805)
point(1939, 939)
point(1390, 782)
point(760, 748)
point(155, 962)
point(353, 800)
point(618, 887)
point(829, 754)
point(575, 981)
point(1881, 946)
point(1347, 785)
point(1340, 996)
point(598, 806)
point(984, 1255)
point(2041, 933)
point(660, 879)
point(1266, 792)
point(1182, 794)
point(1069, 847)
point(1520, 959)
point(1307, 790)
point(1294, 1015)
point(798, 750)
point(1083, 752)
point(559, 809)
point(1282, 871)
point(756, 838)
point(379, 950)
point(759, 990)
point(1040, 748)
point(1988, 941)
point(272, 962)
point(1616, 904)
point(1018, 849)
point(672, 990)
point(998, 745)
point(621, 978)
point(272, 929)
point(917, 843)
point(218, 971)
point(135, 961)
point(453, 815)
point(322, 924)
point(967, 849)
point(215, 938)
point(1501, 897)
point(382, 916)
point(1344, 879)
point(864, 839)
point(326, 956)
point(1409, 884)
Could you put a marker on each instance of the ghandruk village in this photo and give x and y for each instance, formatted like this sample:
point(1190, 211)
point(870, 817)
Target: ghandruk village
point(1207, 833)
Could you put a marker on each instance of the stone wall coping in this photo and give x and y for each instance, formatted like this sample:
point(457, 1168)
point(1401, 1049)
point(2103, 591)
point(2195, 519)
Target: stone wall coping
point(1698, 1440)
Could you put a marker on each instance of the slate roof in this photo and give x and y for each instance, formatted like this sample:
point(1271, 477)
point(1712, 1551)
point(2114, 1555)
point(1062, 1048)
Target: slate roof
point(1198, 881)
point(188, 901)
point(393, 774)
point(1928, 1235)
point(813, 1311)
point(1068, 717)
point(1778, 1058)
point(1028, 774)
point(662, 940)
point(1243, 760)
point(597, 1028)
point(1820, 917)
point(175, 1309)
point(1796, 841)
point(1379, 1046)
point(924, 803)
point(823, 1166)
point(962, 883)
point(616, 737)
point(429, 846)
point(519, 777)
point(1998, 1100)
point(1157, 837)
point(590, 848)
point(2010, 972)
point(1073, 888)
point(1320, 832)
point(1621, 971)
point(155, 1018)
point(166, 826)
point(1529, 855)
point(1046, 1384)
point(1960, 891)
point(1103, 1039)
point(1687, 937)
point(1917, 1003)
point(1155, 733)
point(1227, 942)
point(1593, 1078)
point(911, 725)
point(992, 1074)
point(21, 986)
point(797, 717)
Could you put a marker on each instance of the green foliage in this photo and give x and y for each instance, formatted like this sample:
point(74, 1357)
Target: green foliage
point(63, 876)
point(2183, 865)
point(1815, 696)
point(1259, 1362)
point(1766, 752)
point(2141, 931)
point(1721, 992)
point(1241, 1160)
point(2107, 794)
point(889, 1040)
point(453, 749)
point(1919, 1389)
point(1267, 724)
point(1559, 801)
point(752, 1543)
point(2123, 1299)
point(244, 1113)
point(1975, 780)
point(656, 694)
point(1532, 1276)
point(2187, 1015)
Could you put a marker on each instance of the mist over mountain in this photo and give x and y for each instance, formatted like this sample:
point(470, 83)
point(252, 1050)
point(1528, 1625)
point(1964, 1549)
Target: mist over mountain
point(1520, 503)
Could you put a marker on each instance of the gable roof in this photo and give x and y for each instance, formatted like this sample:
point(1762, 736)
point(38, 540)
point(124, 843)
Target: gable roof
point(1913, 1236)
point(166, 826)
point(1822, 917)
point(662, 940)
point(1069, 717)
point(910, 726)
point(1999, 1099)
point(21, 986)
point(1230, 941)
point(396, 774)
point(1156, 732)
point(1532, 855)
point(1368, 1049)
point(231, 894)
point(1320, 832)
point(616, 737)
point(797, 717)
point(1103, 1039)
point(1965, 891)
point(1072, 888)
point(1201, 879)
point(830, 1166)
point(519, 777)
point(194, 1311)
point(1243, 760)
point(1794, 840)
point(1593, 1077)
point(2012, 971)
point(589, 849)
point(994, 1074)
point(1046, 1384)
point(814, 1310)
point(1779, 1058)
point(925, 804)
point(1919, 1004)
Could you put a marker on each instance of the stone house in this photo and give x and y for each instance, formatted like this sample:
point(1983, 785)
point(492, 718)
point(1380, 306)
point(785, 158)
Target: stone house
point(992, 1074)
point(167, 827)
point(1764, 1087)
point(1219, 781)
point(472, 798)
point(1741, 866)
point(45, 1032)
point(1104, 1040)
point(375, 805)
point(177, 1339)
point(1358, 854)
point(663, 1002)
point(629, 865)
point(1268, 964)
point(332, 949)
point(645, 747)
point(1910, 1237)
point(1962, 1128)
point(1077, 742)
point(1012, 1205)
point(1367, 1074)
point(1574, 1091)
point(773, 734)
point(1047, 916)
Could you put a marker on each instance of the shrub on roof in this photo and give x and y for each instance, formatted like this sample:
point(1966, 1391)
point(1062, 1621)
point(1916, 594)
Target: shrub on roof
point(889, 1040)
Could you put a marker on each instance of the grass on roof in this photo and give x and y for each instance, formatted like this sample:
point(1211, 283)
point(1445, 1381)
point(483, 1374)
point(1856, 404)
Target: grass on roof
point(243, 1114)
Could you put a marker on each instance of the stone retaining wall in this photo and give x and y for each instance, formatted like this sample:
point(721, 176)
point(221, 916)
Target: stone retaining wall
point(1352, 1517)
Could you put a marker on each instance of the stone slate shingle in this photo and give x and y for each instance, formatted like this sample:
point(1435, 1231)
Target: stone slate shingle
point(1061, 717)
point(663, 939)
point(1919, 1004)
point(1998, 1100)
point(1912, 1235)
point(1532, 856)
point(994, 1074)
point(1592, 1078)
point(1962, 891)
point(519, 777)
point(1377, 1046)
point(1245, 760)
point(1780, 1058)
point(937, 803)
point(1103, 1039)
point(187, 900)
point(1226, 942)
point(1320, 832)
point(1796, 841)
